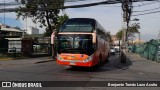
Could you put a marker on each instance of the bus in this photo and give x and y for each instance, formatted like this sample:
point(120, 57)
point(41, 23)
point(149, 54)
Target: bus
point(82, 42)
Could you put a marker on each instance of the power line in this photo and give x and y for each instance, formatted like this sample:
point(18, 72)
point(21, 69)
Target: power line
point(148, 10)
point(10, 4)
point(147, 4)
point(155, 18)
point(72, 6)
point(146, 13)
point(63, 7)
point(113, 6)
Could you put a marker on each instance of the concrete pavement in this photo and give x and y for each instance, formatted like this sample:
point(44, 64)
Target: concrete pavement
point(136, 69)
point(140, 63)
point(133, 61)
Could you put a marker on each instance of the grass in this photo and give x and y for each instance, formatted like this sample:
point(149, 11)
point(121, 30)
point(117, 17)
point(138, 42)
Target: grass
point(5, 57)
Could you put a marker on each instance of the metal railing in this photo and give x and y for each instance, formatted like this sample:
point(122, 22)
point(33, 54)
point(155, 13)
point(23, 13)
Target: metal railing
point(10, 52)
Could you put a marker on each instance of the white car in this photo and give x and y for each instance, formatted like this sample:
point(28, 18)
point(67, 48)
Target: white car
point(112, 51)
point(117, 49)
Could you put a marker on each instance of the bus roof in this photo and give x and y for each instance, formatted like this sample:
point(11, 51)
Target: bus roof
point(80, 19)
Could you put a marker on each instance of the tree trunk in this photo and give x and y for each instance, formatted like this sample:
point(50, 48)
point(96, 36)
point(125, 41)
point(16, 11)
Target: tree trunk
point(50, 30)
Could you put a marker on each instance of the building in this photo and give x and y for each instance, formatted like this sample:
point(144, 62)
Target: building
point(32, 30)
point(10, 32)
point(115, 41)
point(10, 38)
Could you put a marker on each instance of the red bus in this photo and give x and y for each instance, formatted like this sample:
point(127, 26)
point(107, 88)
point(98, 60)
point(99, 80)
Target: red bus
point(82, 42)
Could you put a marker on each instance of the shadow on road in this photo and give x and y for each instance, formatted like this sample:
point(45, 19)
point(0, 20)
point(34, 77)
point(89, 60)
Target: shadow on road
point(123, 66)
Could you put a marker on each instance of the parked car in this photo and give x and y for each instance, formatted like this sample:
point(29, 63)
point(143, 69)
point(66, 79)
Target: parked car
point(117, 49)
point(112, 51)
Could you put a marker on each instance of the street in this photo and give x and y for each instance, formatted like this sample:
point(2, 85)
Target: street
point(136, 69)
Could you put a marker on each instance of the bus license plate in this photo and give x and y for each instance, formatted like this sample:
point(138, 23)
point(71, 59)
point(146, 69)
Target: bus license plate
point(72, 63)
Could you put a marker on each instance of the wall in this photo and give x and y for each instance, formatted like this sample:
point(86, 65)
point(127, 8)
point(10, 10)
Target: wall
point(148, 50)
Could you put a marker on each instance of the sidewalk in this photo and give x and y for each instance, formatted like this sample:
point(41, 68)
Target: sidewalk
point(138, 57)
point(26, 61)
point(142, 64)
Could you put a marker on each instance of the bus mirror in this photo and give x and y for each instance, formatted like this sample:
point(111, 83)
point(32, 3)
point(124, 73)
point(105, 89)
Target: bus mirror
point(52, 37)
point(94, 38)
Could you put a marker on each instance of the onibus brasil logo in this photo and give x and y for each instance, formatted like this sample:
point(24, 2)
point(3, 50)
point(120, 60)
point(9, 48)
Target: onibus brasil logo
point(20, 84)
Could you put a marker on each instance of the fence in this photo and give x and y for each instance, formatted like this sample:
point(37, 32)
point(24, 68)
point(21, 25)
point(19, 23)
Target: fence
point(149, 50)
point(10, 52)
point(23, 48)
point(42, 46)
point(42, 49)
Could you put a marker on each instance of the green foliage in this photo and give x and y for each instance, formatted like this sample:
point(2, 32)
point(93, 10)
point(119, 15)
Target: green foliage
point(132, 30)
point(119, 34)
point(47, 17)
point(60, 20)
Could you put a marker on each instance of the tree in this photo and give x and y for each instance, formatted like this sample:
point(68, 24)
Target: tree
point(108, 35)
point(60, 20)
point(132, 30)
point(48, 18)
point(119, 34)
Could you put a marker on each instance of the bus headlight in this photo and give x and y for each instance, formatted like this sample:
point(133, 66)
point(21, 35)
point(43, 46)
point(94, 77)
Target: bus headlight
point(90, 58)
point(59, 57)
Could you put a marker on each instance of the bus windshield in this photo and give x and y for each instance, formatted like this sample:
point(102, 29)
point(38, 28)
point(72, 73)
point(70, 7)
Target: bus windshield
point(78, 25)
point(75, 44)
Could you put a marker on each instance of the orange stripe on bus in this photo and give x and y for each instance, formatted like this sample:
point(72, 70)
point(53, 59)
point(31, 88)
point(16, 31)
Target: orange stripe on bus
point(73, 56)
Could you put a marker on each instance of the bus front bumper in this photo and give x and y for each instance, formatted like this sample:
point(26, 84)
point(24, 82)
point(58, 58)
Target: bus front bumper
point(76, 63)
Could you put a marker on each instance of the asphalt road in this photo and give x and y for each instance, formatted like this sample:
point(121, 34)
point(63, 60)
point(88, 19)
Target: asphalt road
point(136, 69)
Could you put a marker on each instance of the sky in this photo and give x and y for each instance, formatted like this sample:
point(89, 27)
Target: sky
point(109, 16)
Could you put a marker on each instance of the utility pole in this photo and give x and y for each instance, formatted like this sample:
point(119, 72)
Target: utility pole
point(127, 9)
